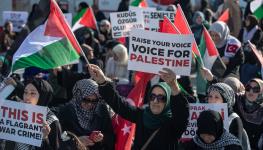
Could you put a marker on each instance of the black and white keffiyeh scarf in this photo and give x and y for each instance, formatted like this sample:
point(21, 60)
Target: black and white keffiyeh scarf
point(226, 139)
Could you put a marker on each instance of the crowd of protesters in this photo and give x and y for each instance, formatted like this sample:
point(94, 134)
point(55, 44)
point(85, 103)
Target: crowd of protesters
point(83, 98)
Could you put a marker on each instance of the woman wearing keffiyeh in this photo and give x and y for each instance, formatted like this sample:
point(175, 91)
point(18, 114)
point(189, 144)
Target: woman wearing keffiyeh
point(87, 116)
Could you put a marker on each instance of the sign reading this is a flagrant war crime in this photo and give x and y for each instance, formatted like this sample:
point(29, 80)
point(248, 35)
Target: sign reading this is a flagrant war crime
point(151, 51)
point(196, 109)
point(22, 122)
point(155, 19)
point(18, 18)
point(122, 22)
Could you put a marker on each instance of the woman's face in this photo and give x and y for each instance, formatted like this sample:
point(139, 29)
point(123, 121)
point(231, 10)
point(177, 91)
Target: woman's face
point(199, 20)
point(207, 138)
point(215, 97)
point(252, 91)
point(215, 36)
point(89, 102)
point(157, 100)
point(9, 27)
point(247, 22)
point(31, 94)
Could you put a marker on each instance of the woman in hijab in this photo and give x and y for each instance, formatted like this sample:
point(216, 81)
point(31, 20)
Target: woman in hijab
point(249, 106)
point(228, 47)
point(39, 92)
point(117, 66)
point(222, 93)
point(197, 27)
point(86, 115)
point(160, 124)
point(211, 134)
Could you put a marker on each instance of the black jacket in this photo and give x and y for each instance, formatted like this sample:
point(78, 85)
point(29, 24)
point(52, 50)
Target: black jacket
point(168, 135)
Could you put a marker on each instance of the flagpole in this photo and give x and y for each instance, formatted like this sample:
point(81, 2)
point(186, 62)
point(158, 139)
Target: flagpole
point(83, 54)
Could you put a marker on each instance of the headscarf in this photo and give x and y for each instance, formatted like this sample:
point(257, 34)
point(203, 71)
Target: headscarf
point(122, 53)
point(226, 92)
point(250, 106)
point(253, 21)
point(82, 89)
point(196, 14)
point(222, 29)
point(235, 84)
point(211, 122)
point(44, 89)
point(153, 121)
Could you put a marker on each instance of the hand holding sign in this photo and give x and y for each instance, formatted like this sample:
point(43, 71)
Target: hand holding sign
point(45, 130)
point(170, 78)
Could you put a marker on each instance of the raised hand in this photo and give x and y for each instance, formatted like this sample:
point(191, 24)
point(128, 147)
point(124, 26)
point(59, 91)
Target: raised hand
point(170, 78)
point(207, 74)
point(96, 73)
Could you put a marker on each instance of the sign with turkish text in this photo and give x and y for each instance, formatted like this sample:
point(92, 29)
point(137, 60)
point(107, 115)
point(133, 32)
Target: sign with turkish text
point(18, 18)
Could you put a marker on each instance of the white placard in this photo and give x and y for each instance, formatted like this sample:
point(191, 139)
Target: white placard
point(155, 19)
point(122, 22)
point(18, 18)
point(68, 17)
point(146, 13)
point(196, 109)
point(22, 122)
point(151, 51)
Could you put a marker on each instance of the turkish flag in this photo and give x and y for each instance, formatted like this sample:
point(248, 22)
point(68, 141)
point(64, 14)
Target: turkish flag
point(124, 129)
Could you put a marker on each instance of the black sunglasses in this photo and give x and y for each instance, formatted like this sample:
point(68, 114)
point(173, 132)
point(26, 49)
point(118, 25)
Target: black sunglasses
point(159, 97)
point(90, 101)
point(255, 89)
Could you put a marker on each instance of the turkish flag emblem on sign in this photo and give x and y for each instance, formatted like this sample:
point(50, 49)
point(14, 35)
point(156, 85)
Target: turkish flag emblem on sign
point(232, 48)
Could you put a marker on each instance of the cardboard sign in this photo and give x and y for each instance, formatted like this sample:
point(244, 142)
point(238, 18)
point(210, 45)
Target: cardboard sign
point(196, 109)
point(122, 22)
point(146, 11)
point(22, 122)
point(151, 51)
point(18, 18)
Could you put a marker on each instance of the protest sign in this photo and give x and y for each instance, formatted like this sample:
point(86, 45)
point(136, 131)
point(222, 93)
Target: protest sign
point(196, 109)
point(151, 51)
point(122, 22)
point(21, 122)
point(18, 18)
point(156, 18)
point(146, 11)
point(68, 17)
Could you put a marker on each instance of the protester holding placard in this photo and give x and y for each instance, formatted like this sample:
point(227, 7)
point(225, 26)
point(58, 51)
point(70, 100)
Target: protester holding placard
point(87, 116)
point(229, 48)
point(39, 92)
point(158, 125)
point(7, 37)
point(105, 32)
point(211, 134)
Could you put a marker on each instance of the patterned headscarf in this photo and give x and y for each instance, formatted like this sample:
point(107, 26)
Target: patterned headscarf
point(226, 92)
point(82, 89)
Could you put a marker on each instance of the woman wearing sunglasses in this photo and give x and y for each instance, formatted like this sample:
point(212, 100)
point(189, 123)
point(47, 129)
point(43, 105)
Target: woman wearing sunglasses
point(158, 125)
point(249, 106)
point(87, 116)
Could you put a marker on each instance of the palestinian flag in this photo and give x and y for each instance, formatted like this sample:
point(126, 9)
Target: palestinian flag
point(50, 45)
point(256, 8)
point(87, 20)
point(211, 60)
point(225, 16)
point(139, 3)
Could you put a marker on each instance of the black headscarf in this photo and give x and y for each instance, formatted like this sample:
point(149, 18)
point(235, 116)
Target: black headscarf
point(211, 122)
point(44, 89)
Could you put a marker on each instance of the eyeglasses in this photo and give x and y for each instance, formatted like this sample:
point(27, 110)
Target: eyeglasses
point(159, 97)
point(90, 101)
point(255, 89)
